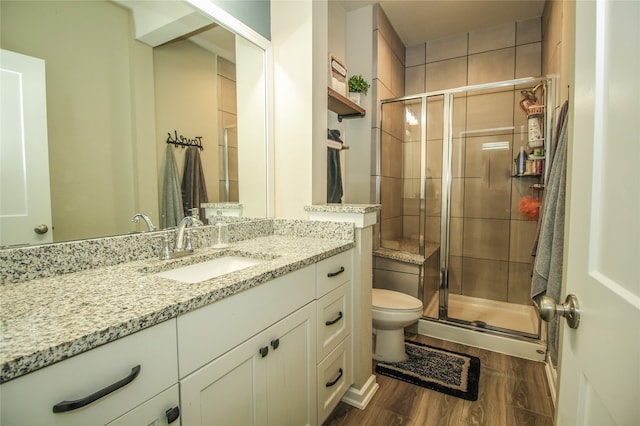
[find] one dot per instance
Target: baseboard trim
(360, 398)
(552, 380)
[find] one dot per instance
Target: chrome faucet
(180, 232)
(136, 217)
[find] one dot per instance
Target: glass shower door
(486, 282)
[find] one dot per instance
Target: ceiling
(417, 21)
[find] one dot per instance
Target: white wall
(252, 154)
(359, 185)
(297, 25)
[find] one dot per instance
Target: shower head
(529, 94)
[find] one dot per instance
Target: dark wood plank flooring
(512, 392)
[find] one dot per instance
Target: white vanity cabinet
(276, 354)
(250, 359)
(279, 354)
(335, 315)
(267, 380)
(139, 368)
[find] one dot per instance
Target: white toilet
(392, 312)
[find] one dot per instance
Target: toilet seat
(389, 300)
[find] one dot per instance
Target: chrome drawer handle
(65, 406)
(338, 272)
(333, 382)
(331, 322)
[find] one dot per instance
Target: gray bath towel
(334, 173)
(547, 269)
(172, 212)
(194, 190)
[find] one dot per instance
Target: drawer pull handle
(172, 414)
(338, 272)
(65, 406)
(329, 384)
(264, 351)
(275, 343)
(331, 322)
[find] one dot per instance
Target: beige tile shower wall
(388, 83)
(227, 115)
(490, 241)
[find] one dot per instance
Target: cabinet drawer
(29, 400)
(208, 332)
(334, 378)
(332, 272)
(334, 319)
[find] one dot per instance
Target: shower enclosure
(452, 195)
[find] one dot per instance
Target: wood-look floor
(512, 392)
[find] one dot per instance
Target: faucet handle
(165, 251)
(187, 244)
(195, 212)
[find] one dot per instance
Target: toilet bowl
(391, 312)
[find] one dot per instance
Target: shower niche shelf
(343, 106)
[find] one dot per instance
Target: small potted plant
(357, 85)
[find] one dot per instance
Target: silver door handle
(41, 229)
(570, 310)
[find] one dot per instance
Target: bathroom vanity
(119, 345)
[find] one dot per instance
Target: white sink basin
(210, 269)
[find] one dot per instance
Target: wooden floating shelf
(343, 106)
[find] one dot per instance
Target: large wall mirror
(123, 78)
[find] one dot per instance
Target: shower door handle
(570, 309)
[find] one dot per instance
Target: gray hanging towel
(194, 190)
(547, 269)
(334, 175)
(172, 212)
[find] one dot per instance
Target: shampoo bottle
(521, 161)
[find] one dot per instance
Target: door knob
(570, 309)
(41, 229)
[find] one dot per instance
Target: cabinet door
(161, 410)
(291, 382)
(228, 391)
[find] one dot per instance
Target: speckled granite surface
(222, 206)
(54, 317)
(407, 257)
(343, 208)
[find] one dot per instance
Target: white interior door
(25, 200)
(600, 360)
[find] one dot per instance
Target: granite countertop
(47, 320)
(405, 252)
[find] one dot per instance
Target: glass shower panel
(489, 243)
(432, 204)
(400, 175)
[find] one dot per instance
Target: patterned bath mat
(448, 372)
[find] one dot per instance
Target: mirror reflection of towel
(172, 208)
(194, 190)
